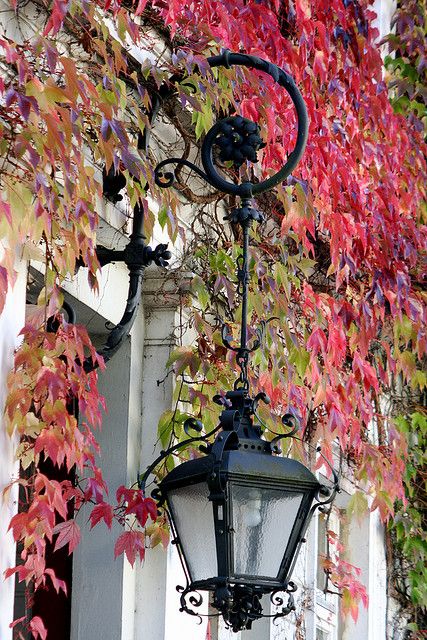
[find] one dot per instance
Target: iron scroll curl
(245, 189)
(283, 79)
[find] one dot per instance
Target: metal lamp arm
(142, 478)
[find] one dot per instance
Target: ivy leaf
(5, 210)
(183, 358)
(103, 511)
(58, 585)
(140, 7)
(37, 628)
(199, 288)
(59, 11)
(165, 427)
(68, 533)
(3, 287)
(132, 543)
(106, 129)
(357, 505)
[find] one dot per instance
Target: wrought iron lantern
(239, 513)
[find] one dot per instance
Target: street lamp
(239, 514)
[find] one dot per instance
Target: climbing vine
(406, 537)
(337, 265)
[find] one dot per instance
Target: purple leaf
(105, 129)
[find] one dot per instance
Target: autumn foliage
(338, 265)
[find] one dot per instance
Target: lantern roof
(245, 465)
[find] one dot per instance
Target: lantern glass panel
(193, 517)
(263, 520)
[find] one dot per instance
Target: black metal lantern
(239, 513)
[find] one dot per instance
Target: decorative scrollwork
(288, 420)
(167, 179)
(227, 337)
(240, 605)
(191, 424)
(278, 601)
(238, 138)
(247, 189)
(190, 597)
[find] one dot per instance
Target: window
(326, 604)
(322, 634)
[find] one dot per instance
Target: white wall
(384, 10)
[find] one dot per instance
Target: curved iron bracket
(278, 601)
(238, 138)
(167, 179)
(288, 420)
(189, 424)
(136, 255)
(195, 599)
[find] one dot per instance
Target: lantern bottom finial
(240, 605)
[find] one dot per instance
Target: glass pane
(193, 517)
(263, 520)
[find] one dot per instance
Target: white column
(151, 578)
(384, 10)
(11, 322)
(377, 592)
(358, 548)
(366, 550)
(157, 613)
(98, 605)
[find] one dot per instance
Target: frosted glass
(263, 520)
(193, 517)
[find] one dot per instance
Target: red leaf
(3, 287)
(59, 11)
(151, 508)
(37, 628)
(5, 211)
(140, 8)
(137, 504)
(17, 621)
(57, 583)
(103, 511)
(69, 533)
(51, 441)
(130, 543)
(11, 572)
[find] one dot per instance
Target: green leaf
(163, 216)
(418, 380)
(199, 288)
(165, 427)
(357, 506)
(300, 358)
(184, 358)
